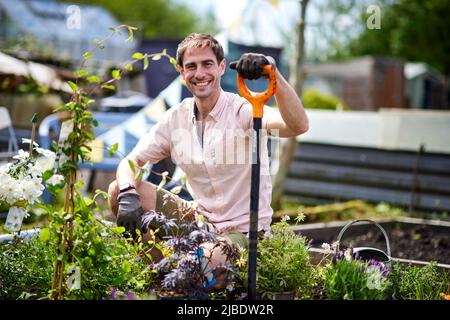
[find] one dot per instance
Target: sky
(269, 21)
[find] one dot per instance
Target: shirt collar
(215, 112)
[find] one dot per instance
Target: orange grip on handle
(258, 99)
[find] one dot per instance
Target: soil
(407, 241)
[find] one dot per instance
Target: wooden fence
(417, 181)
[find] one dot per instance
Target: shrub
(419, 283)
(26, 269)
(314, 99)
(111, 261)
(184, 269)
(283, 263)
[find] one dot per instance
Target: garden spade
(257, 100)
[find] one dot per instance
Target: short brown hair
(199, 40)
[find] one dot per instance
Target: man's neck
(205, 105)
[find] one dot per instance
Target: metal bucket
(368, 253)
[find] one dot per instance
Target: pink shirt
(218, 169)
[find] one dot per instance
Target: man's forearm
(290, 106)
(125, 173)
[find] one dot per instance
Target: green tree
(415, 30)
(157, 17)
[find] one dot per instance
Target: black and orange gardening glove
(250, 65)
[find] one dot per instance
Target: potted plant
(284, 270)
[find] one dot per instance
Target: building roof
(41, 73)
(359, 67)
(415, 69)
(56, 25)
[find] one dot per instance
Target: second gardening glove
(130, 212)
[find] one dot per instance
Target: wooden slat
(365, 157)
(340, 192)
(375, 177)
(322, 173)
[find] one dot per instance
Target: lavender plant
(349, 278)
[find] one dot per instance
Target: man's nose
(200, 72)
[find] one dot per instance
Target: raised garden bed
(411, 240)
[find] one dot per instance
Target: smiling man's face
(202, 72)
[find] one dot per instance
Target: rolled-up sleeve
(155, 145)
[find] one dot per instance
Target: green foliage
(415, 30)
(73, 232)
(28, 86)
(106, 261)
(100, 258)
(314, 99)
(419, 283)
(352, 279)
(25, 269)
(157, 18)
(283, 263)
(348, 210)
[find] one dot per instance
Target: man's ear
(181, 70)
(223, 66)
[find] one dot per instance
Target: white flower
(375, 279)
(21, 180)
(334, 245)
(35, 170)
(348, 255)
(326, 246)
(22, 155)
(47, 161)
(32, 189)
(4, 169)
(55, 179)
(45, 152)
(12, 192)
(28, 141)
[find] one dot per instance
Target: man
(200, 135)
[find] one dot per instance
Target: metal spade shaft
(257, 101)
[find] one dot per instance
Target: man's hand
(130, 212)
(250, 65)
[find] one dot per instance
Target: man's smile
(201, 83)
